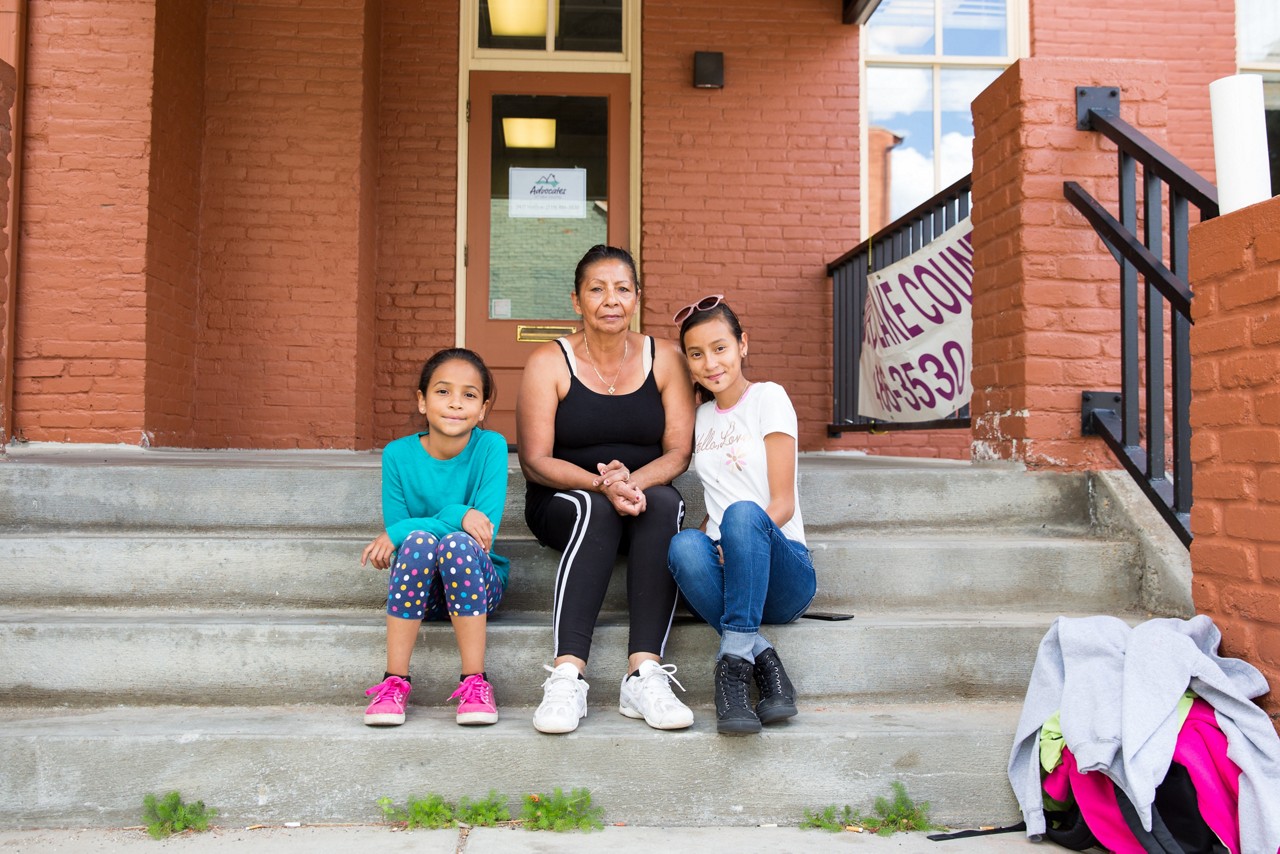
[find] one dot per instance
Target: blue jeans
(765, 578)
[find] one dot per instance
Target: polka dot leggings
(438, 578)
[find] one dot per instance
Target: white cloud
(912, 172)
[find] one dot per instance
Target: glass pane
(902, 27)
(900, 102)
(1271, 96)
(513, 24)
(957, 89)
(1258, 30)
(590, 25)
(548, 205)
(974, 28)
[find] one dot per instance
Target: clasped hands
(615, 484)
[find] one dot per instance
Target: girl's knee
(742, 513)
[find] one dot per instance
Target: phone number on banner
(925, 383)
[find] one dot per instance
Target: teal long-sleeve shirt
(421, 493)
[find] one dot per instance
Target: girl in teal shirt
(443, 490)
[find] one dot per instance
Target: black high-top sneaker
(733, 701)
(777, 694)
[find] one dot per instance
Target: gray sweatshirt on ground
(1117, 690)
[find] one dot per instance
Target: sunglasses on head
(705, 304)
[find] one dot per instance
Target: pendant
(610, 389)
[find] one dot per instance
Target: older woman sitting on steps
(605, 420)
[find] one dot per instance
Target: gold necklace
(626, 343)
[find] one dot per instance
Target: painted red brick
(1236, 515)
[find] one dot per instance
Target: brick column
(8, 88)
(1046, 315)
(1235, 422)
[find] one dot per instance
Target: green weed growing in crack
(487, 812)
(560, 812)
(169, 815)
(431, 812)
(895, 815)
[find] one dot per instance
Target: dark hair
(463, 355)
(601, 252)
(721, 310)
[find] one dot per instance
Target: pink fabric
(1056, 785)
(1202, 750)
(1096, 795)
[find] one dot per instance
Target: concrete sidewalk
(615, 840)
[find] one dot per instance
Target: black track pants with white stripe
(590, 534)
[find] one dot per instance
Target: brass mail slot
(538, 334)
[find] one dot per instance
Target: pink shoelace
(393, 689)
(473, 689)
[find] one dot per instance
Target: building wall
(8, 91)
(1235, 433)
(280, 253)
(173, 222)
(417, 203)
(81, 323)
(1046, 298)
(751, 189)
(1194, 38)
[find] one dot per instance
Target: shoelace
(772, 678)
(559, 687)
(736, 695)
(388, 689)
(471, 689)
(652, 685)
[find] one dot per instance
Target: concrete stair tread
(352, 618)
(315, 763)
(306, 721)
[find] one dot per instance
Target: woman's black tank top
(595, 428)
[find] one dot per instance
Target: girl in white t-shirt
(748, 563)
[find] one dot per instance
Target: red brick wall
(1045, 308)
(1235, 424)
(281, 253)
(8, 85)
(1194, 38)
(173, 222)
(81, 311)
(753, 188)
(417, 203)
(366, 305)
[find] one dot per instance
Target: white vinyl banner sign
(917, 332)
(548, 193)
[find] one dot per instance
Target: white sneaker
(564, 700)
(648, 695)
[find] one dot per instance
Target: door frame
(470, 59)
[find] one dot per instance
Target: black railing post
(1128, 305)
(1113, 416)
(1152, 219)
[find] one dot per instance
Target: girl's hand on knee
(479, 527)
(378, 552)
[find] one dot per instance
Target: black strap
(983, 831)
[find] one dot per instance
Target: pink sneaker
(389, 698)
(475, 703)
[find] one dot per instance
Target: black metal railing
(1117, 416)
(849, 275)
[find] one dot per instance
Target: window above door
(527, 34)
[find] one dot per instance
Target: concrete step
(100, 656)
(339, 493)
(896, 570)
(320, 764)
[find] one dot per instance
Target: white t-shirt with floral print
(729, 455)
